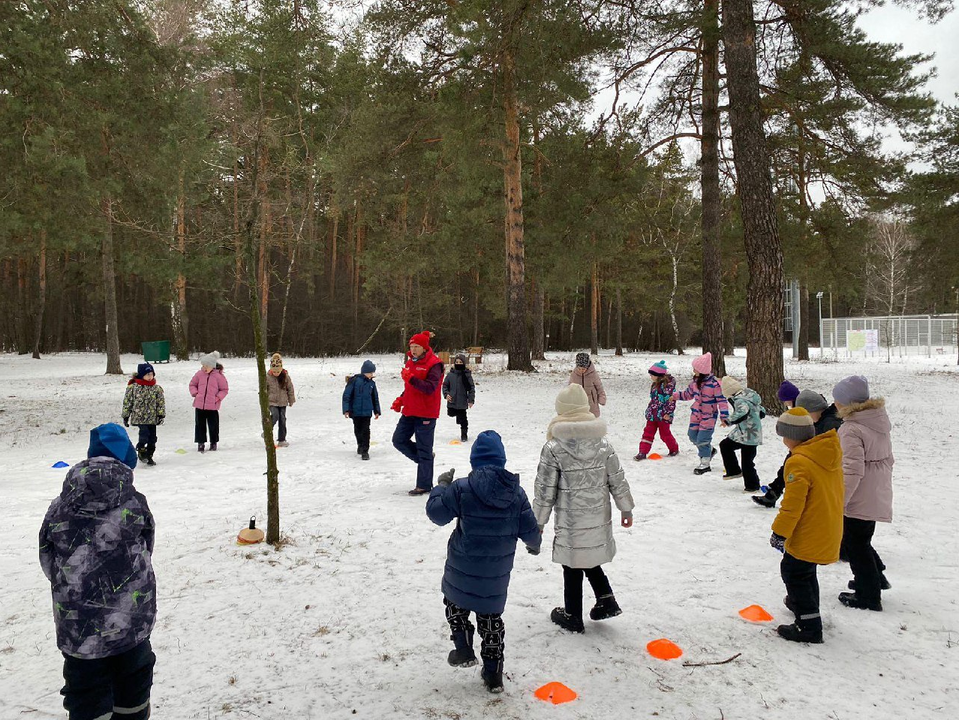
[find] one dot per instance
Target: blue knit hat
(143, 369)
(367, 367)
(488, 450)
(111, 440)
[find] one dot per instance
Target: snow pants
(803, 589)
(651, 429)
(748, 453)
(573, 587)
(110, 687)
(206, 419)
(865, 563)
(491, 633)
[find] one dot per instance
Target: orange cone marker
(654, 456)
(556, 693)
(755, 613)
(663, 649)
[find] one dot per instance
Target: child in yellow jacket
(809, 527)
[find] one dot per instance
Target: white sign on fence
(863, 340)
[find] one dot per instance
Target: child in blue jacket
(360, 402)
(492, 512)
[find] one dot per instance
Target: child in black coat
(460, 392)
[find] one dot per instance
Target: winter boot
(605, 608)
(640, 456)
(200, 447)
(703, 467)
(492, 675)
(365, 456)
(283, 443)
(142, 454)
(673, 454)
(213, 447)
(795, 633)
(150, 450)
(462, 654)
(767, 500)
(463, 435)
(884, 583)
(359, 451)
(733, 476)
(567, 622)
(852, 600)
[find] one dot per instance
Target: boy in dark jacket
(459, 391)
(95, 547)
(360, 402)
(492, 512)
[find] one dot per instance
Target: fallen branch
(704, 664)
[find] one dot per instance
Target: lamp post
(820, 318)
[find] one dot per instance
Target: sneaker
(884, 583)
(365, 456)
(200, 447)
(734, 476)
(213, 447)
(639, 456)
(767, 500)
(605, 608)
(567, 622)
(462, 657)
(794, 633)
(852, 600)
(703, 467)
(283, 443)
(492, 680)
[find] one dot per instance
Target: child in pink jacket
(708, 403)
(208, 387)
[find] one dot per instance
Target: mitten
(533, 550)
(777, 541)
(406, 373)
(445, 478)
(397, 405)
(126, 422)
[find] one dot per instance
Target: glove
(126, 422)
(406, 373)
(445, 478)
(397, 404)
(160, 419)
(533, 550)
(777, 541)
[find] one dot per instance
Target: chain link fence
(896, 336)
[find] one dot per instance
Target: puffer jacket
(95, 546)
(708, 403)
(590, 381)
(662, 405)
(280, 396)
(360, 397)
(144, 404)
(578, 473)
(829, 420)
(867, 461)
(745, 417)
(811, 514)
(492, 512)
(459, 385)
(209, 389)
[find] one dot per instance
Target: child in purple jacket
(659, 414)
(708, 403)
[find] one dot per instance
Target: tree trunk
(110, 290)
(619, 350)
(42, 297)
(760, 233)
(518, 344)
(476, 303)
(181, 344)
(332, 280)
(710, 190)
(729, 336)
(594, 309)
(538, 324)
(672, 304)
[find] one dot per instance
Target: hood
(583, 430)
(751, 396)
(494, 486)
(871, 414)
(97, 484)
(823, 450)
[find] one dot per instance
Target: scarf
(145, 383)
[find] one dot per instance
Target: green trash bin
(156, 351)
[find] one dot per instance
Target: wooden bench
(475, 355)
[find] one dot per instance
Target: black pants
(279, 415)
(460, 415)
(778, 485)
(361, 429)
(491, 633)
(865, 563)
(148, 437)
(800, 579)
(573, 587)
(119, 685)
(203, 420)
(748, 453)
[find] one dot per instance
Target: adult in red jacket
(419, 406)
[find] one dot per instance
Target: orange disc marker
(663, 649)
(654, 456)
(755, 613)
(455, 442)
(556, 693)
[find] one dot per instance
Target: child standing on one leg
(459, 391)
(578, 473)
(659, 414)
(144, 406)
(208, 387)
(281, 396)
(708, 404)
(361, 401)
(747, 433)
(96, 543)
(809, 526)
(492, 513)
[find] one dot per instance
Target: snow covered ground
(346, 619)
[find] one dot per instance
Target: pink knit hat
(703, 364)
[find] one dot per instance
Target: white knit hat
(210, 359)
(730, 386)
(572, 399)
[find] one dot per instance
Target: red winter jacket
(422, 391)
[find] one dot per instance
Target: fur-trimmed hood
(870, 404)
(583, 430)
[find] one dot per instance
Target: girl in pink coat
(708, 404)
(209, 387)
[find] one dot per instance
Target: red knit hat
(422, 339)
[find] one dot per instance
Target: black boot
(462, 654)
(884, 583)
(463, 434)
(150, 450)
(795, 633)
(852, 600)
(492, 675)
(605, 608)
(142, 453)
(767, 500)
(567, 622)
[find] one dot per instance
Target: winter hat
(461, 357)
(583, 360)
(210, 359)
(811, 401)
(658, 368)
(850, 390)
(730, 386)
(367, 367)
(143, 369)
(787, 392)
(488, 450)
(111, 440)
(276, 362)
(572, 399)
(703, 364)
(422, 339)
(796, 424)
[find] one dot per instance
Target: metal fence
(896, 336)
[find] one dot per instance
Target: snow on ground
(346, 619)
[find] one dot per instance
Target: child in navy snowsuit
(492, 512)
(95, 547)
(360, 402)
